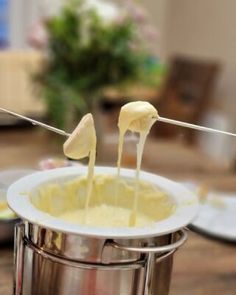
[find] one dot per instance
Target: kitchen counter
(202, 266)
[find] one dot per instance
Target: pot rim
(186, 204)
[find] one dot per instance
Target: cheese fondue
(66, 200)
(104, 216)
(90, 199)
(138, 116)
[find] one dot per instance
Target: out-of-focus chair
(186, 95)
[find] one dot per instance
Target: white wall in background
(22, 14)
(158, 10)
(206, 28)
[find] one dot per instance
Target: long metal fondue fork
(34, 122)
(159, 118)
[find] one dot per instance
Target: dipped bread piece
(137, 116)
(82, 140)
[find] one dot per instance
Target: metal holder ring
(156, 249)
(78, 264)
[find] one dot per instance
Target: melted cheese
(81, 144)
(66, 201)
(138, 116)
(103, 215)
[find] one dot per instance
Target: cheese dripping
(138, 116)
(81, 144)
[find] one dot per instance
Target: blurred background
(62, 59)
(57, 63)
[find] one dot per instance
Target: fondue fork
(159, 118)
(34, 122)
(193, 126)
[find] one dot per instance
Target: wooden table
(201, 267)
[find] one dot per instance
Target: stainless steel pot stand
(48, 262)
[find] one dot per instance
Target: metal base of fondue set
(48, 262)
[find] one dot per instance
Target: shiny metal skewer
(34, 122)
(193, 126)
(162, 119)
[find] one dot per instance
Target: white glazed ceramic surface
(218, 222)
(186, 204)
(7, 177)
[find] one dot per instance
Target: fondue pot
(56, 257)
